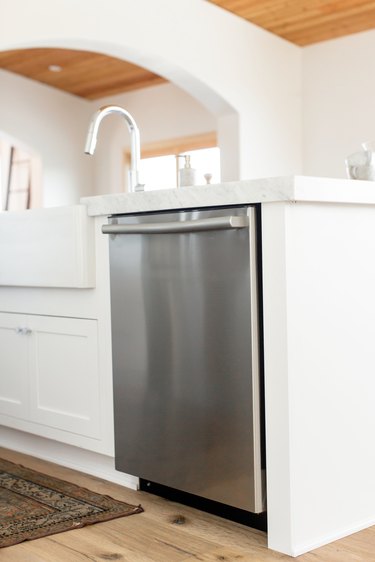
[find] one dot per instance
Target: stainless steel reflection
(185, 354)
(135, 145)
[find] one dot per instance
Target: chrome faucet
(135, 145)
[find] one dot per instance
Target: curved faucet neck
(135, 145)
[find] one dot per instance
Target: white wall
(222, 60)
(161, 112)
(52, 124)
(338, 102)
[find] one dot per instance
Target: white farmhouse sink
(51, 247)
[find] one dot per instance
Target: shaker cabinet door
(49, 377)
(64, 378)
(14, 365)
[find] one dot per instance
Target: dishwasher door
(185, 352)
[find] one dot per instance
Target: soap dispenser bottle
(187, 174)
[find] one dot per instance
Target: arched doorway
(178, 115)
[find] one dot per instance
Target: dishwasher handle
(200, 225)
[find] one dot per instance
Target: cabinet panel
(49, 377)
(64, 374)
(14, 371)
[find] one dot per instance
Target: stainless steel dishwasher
(186, 352)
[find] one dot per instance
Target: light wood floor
(165, 532)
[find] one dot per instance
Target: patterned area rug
(34, 505)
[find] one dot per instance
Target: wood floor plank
(18, 552)
(223, 554)
(165, 532)
(152, 538)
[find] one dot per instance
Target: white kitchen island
(318, 269)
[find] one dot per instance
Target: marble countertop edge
(262, 190)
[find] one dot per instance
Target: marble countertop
(263, 190)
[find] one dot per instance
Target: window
(162, 172)
(19, 177)
(158, 172)
(161, 162)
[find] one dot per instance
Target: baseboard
(69, 456)
(303, 549)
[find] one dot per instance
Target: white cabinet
(14, 367)
(49, 376)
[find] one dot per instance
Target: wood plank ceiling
(93, 76)
(85, 74)
(304, 22)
